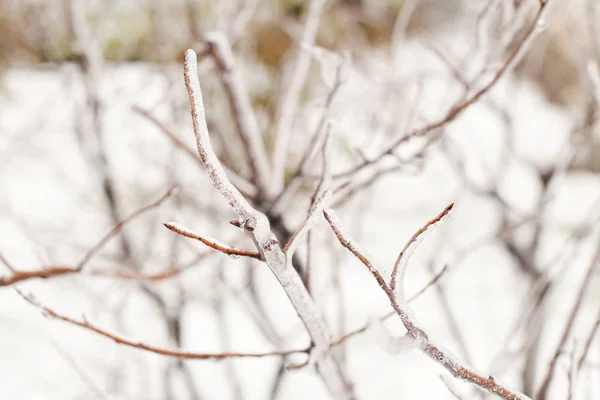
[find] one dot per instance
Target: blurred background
(95, 126)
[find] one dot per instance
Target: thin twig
(523, 45)
(247, 188)
(432, 282)
(542, 393)
(210, 242)
(311, 219)
(588, 345)
(152, 349)
(7, 264)
(289, 102)
(119, 226)
(244, 117)
(412, 298)
(401, 263)
(421, 339)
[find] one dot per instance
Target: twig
(542, 393)
(588, 344)
(401, 263)
(311, 219)
(119, 226)
(323, 128)
(289, 102)
(421, 339)
(243, 114)
(432, 282)
(257, 225)
(457, 110)
(247, 188)
(212, 243)
(412, 298)
(7, 264)
(152, 349)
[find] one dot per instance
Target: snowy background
(521, 166)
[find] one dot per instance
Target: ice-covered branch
(244, 117)
(399, 270)
(54, 271)
(289, 102)
(514, 56)
(257, 225)
(311, 219)
(244, 186)
(119, 227)
(420, 338)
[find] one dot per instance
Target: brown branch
(212, 243)
(458, 109)
(421, 339)
(120, 225)
(7, 263)
(542, 393)
(247, 188)
(244, 117)
(152, 349)
(588, 345)
(289, 102)
(402, 260)
(412, 298)
(41, 273)
(311, 219)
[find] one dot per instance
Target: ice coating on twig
(401, 264)
(215, 171)
(311, 219)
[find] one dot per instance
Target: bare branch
(542, 393)
(421, 339)
(152, 349)
(432, 282)
(399, 271)
(7, 263)
(119, 226)
(588, 344)
(521, 48)
(247, 188)
(257, 225)
(241, 108)
(289, 103)
(311, 219)
(212, 243)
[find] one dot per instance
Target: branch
(244, 117)
(120, 225)
(212, 243)
(310, 221)
(545, 386)
(289, 102)
(421, 339)
(257, 225)
(152, 349)
(412, 298)
(401, 263)
(54, 271)
(7, 263)
(241, 183)
(523, 45)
